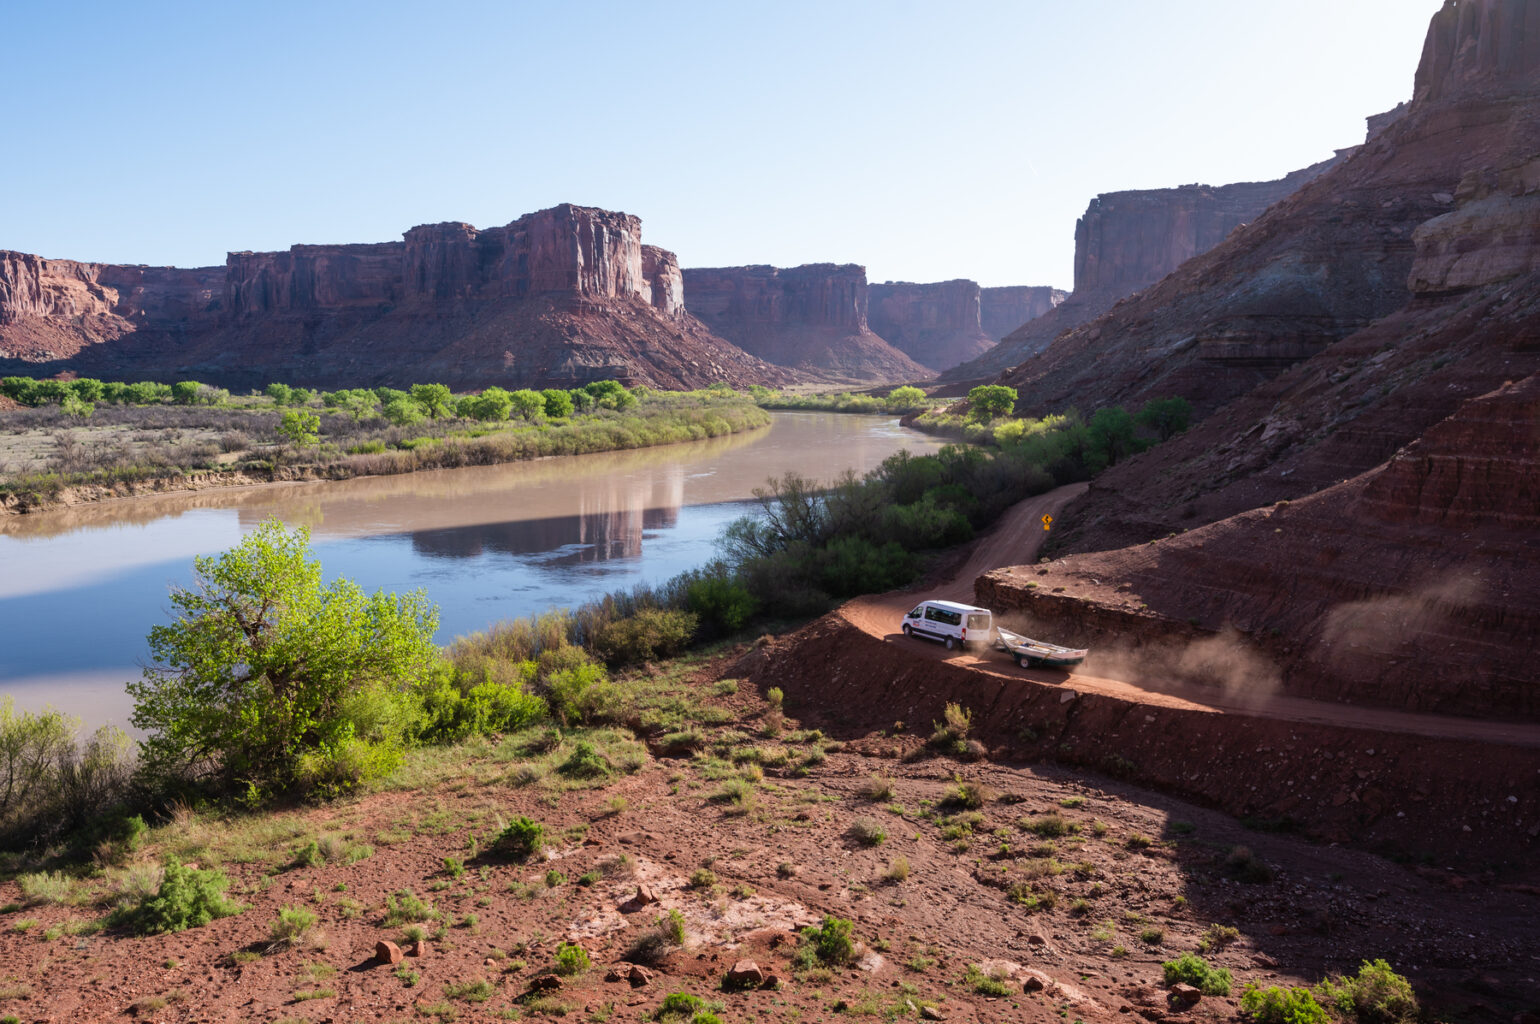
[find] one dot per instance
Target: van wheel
(907, 630)
(950, 643)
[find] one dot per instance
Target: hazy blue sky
(925, 140)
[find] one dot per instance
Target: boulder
(387, 952)
(745, 974)
(1184, 995)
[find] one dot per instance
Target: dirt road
(1016, 539)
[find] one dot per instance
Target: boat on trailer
(1030, 653)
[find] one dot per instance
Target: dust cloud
(1226, 661)
(1394, 624)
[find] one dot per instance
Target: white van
(951, 623)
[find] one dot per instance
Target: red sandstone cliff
(1126, 241)
(1359, 498)
(812, 317)
(936, 325)
(1003, 310)
(560, 296)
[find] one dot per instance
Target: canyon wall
(812, 317)
(936, 325)
(1127, 240)
(1480, 46)
(559, 296)
(1003, 310)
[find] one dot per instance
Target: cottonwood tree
(270, 681)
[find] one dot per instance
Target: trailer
(1030, 653)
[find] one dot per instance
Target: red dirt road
(1016, 540)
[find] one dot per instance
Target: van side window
(932, 614)
(953, 618)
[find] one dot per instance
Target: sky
(925, 140)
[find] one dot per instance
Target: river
(81, 587)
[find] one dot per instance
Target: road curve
(1016, 539)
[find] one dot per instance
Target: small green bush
(830, 942)
(571, 959)
(650, 634)
(585, 762)
(1191, 969)
(521, 839)
(868, 832)
(1274, 1005)
(679, 1004)
(187, 898)
(292, 925)
(1375, 995)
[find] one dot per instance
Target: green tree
(87, 389)
(987, 401)
(904, 399)
(115, 392)
(359, 403)
(300, 427)
(582, 401)
(528, 405)
(17, 388)
(1112, 433)
(435, 400)
(558, 404)
(403, 412)
(609, 394)
(495, 405)
(74, 406)
(185, 392)
(1167, 417)
(269, 681)
(281, 394)
(148, 392)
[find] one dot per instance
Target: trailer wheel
(950, 643)
(1023, 661)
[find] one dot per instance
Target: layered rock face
(564, 295)
(936, 325)
(1365, 515)
(1126, 241)
(1475, 46)
(1411, 586)
(1003, 310)
(812, 317)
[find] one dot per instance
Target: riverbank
(165, 449)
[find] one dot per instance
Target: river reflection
(80, 588)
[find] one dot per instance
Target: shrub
(649, 634)
(969, 795)
(775, 696)
(985, 984)
(1246, 866)
(722, 601)
(575, 691)
(679, 1004)
(897, 871)
(1375, 995)
(405, 907)
(187, 898)
(271, 681)
(478, 990)
(1217, 937)
(868, 832)
(1049, 826)
(1274, 1005)
(521, 839)
(703, 878)
(292, 925)
(830, 942)
(951, 733)
(879, 790)
(1194, 970)
(571, 959)
(585, 762)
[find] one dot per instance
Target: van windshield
(977, 621)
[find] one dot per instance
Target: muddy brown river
(80, 588)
